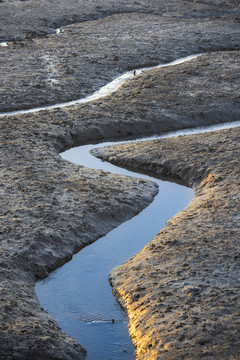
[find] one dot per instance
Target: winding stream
(78, 294)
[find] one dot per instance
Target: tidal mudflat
(50, 208)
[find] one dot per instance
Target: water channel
(78, 295)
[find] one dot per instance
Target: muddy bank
(181, 291)
(49, 210)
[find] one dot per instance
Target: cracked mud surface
(181, 292)
(51, 208)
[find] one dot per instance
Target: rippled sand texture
(51, 208)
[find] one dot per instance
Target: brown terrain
(51, 208)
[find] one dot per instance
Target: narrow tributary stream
(78, 295)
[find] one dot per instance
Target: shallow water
(78, 295)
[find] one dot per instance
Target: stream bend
(85, 305)
(78, 295)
